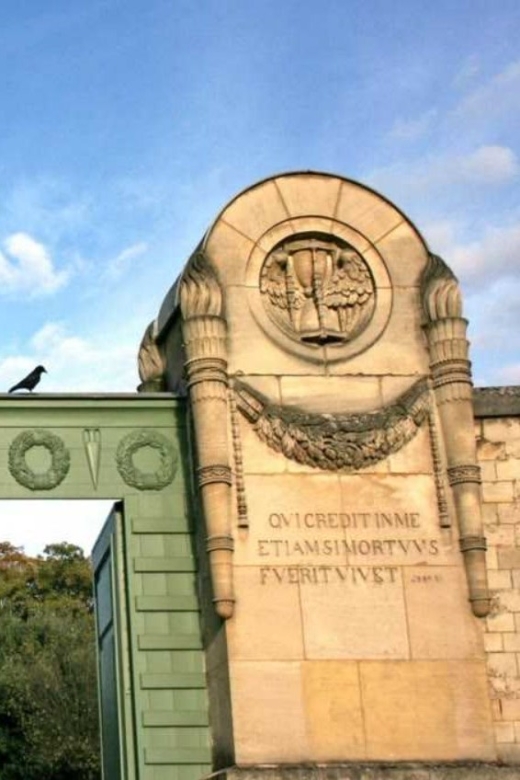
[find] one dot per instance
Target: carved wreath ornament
(24, 475)
(142, 480)
(335, 442)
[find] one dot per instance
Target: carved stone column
(204, 334)
(451, 374)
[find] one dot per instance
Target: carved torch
(204, 333)
(451, 375)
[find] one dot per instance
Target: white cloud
(104, 362)
(27, 268)
(494, 255)
(467, 72)
(411, 129)
(441, 235)
(53, 339)
(48, 207)
(499, 95)
(485, 166)
(488, 267)
(119, 265)
(510, 374)
(488, 164)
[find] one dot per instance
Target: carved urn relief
(318, 289)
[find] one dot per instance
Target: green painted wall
(164, 704)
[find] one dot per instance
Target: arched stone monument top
(311, 201)
(322, 266)
(324, 355)
(308, 193)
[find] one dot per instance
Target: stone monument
(322, 349)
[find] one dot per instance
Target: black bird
(30, 381)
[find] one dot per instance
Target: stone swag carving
(452, 384)
(335, 442)
(317, 289)
(204, 333)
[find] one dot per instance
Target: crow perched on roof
(30, 381)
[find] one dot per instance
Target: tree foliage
(48, 683)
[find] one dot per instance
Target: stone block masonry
(498, 448)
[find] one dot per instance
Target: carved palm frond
(335, 442)
(440, 291)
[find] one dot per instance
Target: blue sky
(128, 124)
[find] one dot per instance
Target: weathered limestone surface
(324, 353)
(498, 438)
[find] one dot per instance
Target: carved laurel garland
(335, 442)
(24, 475)
(142, 480)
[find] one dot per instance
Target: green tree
(48, 684)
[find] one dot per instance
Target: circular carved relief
(317, 289)
(142, 480)
(24, 475)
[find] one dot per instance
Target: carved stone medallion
(135, 477)
(317, 289)
(24, 474)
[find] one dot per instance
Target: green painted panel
(177, 662)
(174, 700)
(155, 623)
(185, 680)
(169, 718)
(167, 603)
(176, 771)
(178, 756)
(170, 642)
(164, 564)
(160, 525)
(116, 733)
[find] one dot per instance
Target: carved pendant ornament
(92, 444)
(24, 474)
(142, 480)
(335, 442)
(317, 289)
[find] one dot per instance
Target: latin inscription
(293, 558)
(285, 548)
(352, 520)
(321, 575)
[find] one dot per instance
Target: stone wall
(323, 350)
(498, 440)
